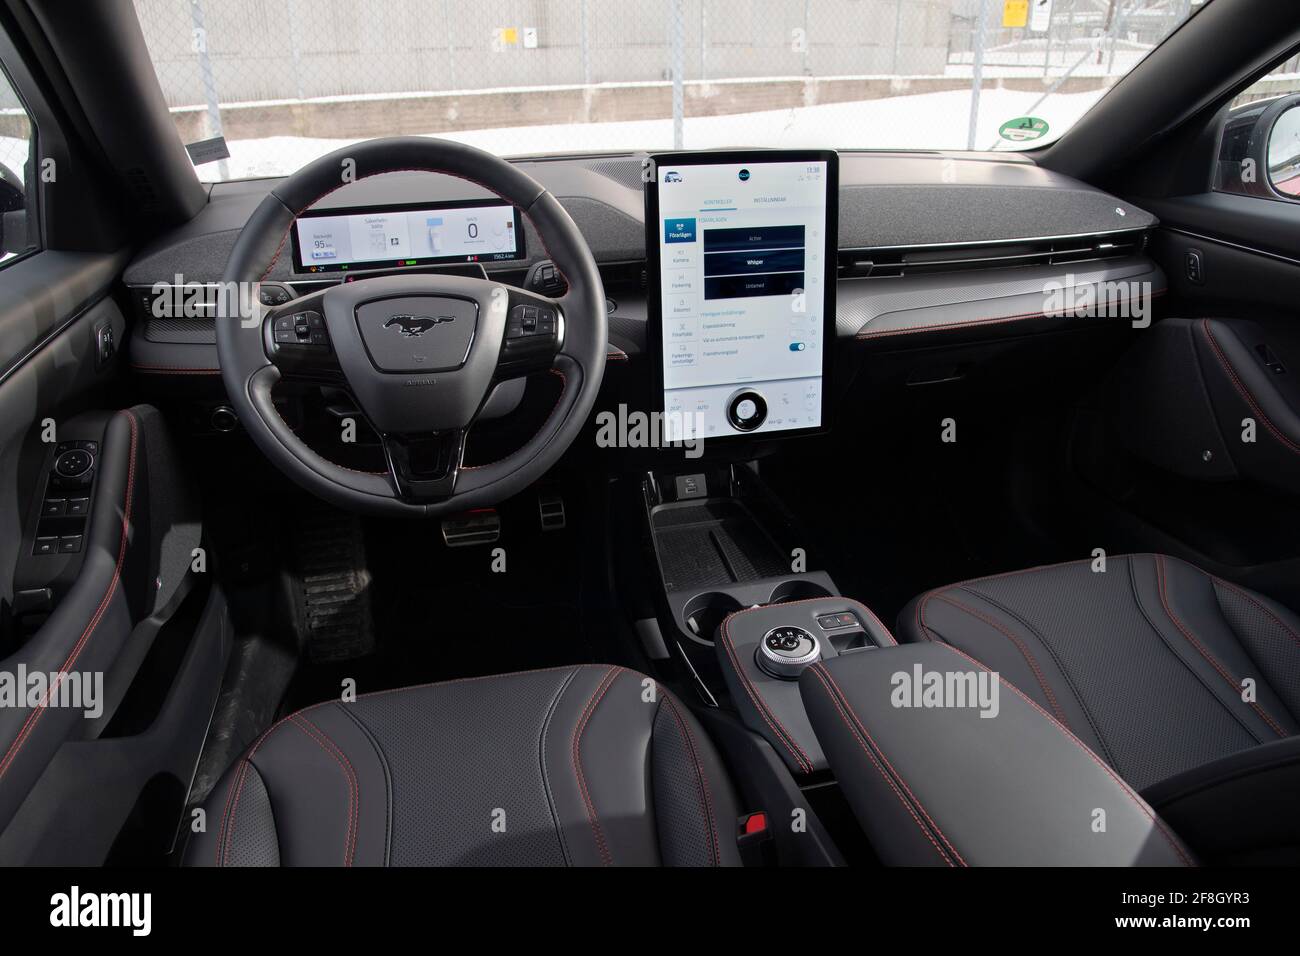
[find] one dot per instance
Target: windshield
(286, 82)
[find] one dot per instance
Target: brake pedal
(551, 510)
(473, 527)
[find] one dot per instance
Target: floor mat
(443, 613)
(333, 591)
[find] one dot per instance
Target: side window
(17, 169)
(1259, 152)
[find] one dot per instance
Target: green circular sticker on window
(1023, 129)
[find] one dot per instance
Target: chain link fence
(531, 76)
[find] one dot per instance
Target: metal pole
(807, 37)
(1047, 47)
(898, 25)
(1110, 22)
(586, 49)
(207, 77)
(977, 75)
(294, 50)
(1114, 38)
(676, 55)
(1060, 81)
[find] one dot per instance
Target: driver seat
(589, 765)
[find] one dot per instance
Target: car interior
(746, 506)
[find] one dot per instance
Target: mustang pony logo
(416, 325)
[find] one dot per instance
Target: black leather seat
(583, 765)
(1149, 662)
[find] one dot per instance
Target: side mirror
(13, 213)
(1284, 153)
(1259, 152)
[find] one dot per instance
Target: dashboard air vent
(920, 260)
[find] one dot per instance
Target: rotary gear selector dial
(785, 651)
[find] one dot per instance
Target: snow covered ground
(924, 121)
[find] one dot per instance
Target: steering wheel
(422, 353)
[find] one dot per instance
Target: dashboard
(929, 249)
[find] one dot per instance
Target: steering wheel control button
(746, 410)
(424, 333)
(74, 463)
(527, 321)
(300, 328)
(532, 337)
(785, 651)
(273, 295)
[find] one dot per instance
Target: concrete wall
(438, 112)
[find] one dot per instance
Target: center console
(742, 260)
(762, 651)
(745, 605)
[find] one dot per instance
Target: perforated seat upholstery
(584, 765)
(1158, 666)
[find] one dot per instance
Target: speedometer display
(396, 236)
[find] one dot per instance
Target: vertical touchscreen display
(742, 250)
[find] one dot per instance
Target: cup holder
(788, 591)
(704, 612)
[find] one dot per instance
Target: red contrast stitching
(597, 696)
(1223, 672)
(879, 750)
(355, 471)
(564, 384)
(252, 751)
(706, 804)
(354, 789)
(1029, 658)
(1244, 594)
(1138, 801)
(820, 672)
(232, 801)
(1243, 391)
(930, 595)
(783, 735)
(34, 716)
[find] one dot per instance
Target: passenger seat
(1186, 684)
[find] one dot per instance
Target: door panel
(50, 306)
(95, 574)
